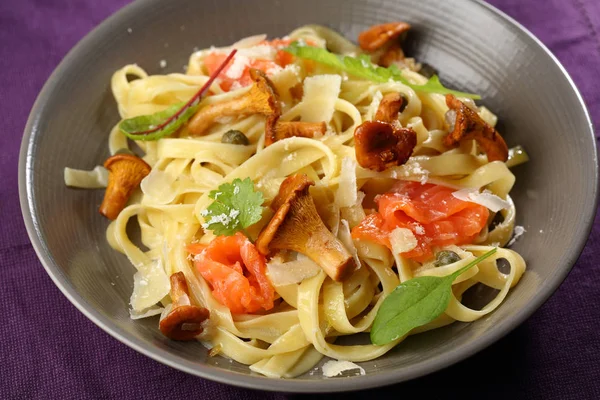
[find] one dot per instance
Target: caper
(234, 136)
(446, 257)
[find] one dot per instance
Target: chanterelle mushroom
(377, 36)
(297, 226)
(380, 145)
(466, 124)
(184, 320)
(277, 130)
(391, 104)
(262, 98)
(126, 173)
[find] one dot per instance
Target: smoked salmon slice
(237, 73)
(238, 69)
(435, 217)
(236, 272)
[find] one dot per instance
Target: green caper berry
(446, 257)
(235, 137)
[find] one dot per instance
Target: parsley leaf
(236, 206)
(362, 67)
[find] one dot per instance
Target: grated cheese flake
(485, 198)
(334, 368)
(321, 93)
(347, 192)
(518, 232)
(287, 273)
(237, 68)
(402, 240)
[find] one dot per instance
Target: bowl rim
(255, 381)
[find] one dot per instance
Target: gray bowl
(475, 47)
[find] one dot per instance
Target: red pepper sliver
(195, 98)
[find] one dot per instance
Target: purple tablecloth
(50, 350)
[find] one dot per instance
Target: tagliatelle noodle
(290, 339)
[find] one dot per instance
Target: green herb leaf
(236, 206)
(415, 303)
(362, 67)
(166, 122)
(135, 127)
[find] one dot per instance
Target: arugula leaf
(415, 303)
(166, 122)
(362, 67)
(236, 206)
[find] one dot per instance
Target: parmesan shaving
(485, 198)
(236, 69)
(263, 52)
(402, 240)
(320, 95)
(150, 312)
(249, 41)
(287, 273)
(150, 285)
(489, 117)
(334, 368)
(159, 185)
(377, 97)
(347, 191)
(519, 231)
(345, 237)
(94, 179)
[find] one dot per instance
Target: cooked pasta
(286, 334)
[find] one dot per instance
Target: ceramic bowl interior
(474, 47)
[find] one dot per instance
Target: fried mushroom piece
(392, 55)
(277, 130)
(184, 321)
(390, 106)
(126, 171)
(466, 124)
(262, 98)
(377, 36)
(297, 226)
(380, 145)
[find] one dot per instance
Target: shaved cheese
(262, 52)
(489, 117)
(485, 198)
(94, 179)
(377, 97)
(287, 273)
(402, 240)
(345, 237)
(150, 312)
(238, 66)
(320, 94)
(249, 41)
(519, 231)
(347, 191)
(159, 185)
(166, 311)
(150, 285)
(334, 368)
(355, 213)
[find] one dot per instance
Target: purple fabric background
(554, 355)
